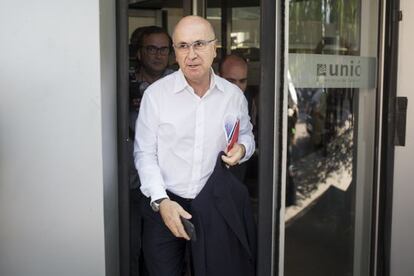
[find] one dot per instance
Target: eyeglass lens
(154, 49)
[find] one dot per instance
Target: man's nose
(158, 53)
(192, 53)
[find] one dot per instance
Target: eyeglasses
(152, 50)
(198, 45)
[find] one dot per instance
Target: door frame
(122, 66)
(385, 123)
(272, 44)
(270, 134)
(382, 243)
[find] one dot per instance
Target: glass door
(331, 113)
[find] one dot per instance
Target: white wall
(57, 138)
(402, 241)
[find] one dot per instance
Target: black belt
(179, 199)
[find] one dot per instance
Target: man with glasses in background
(180, 132)
(153, 51)
(153, 46)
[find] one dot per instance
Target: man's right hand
(170, 212)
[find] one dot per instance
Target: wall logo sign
(342, 70)
(321, 70)
(332, 71)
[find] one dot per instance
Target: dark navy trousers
(225, 229)
(164, 254)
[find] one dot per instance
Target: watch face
(155, 207)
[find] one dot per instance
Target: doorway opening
(237, 27)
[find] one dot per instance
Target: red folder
(234, 136)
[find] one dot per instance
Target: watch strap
(155, 205)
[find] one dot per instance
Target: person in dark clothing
(234, 69)
(153, 47)
(153, 51)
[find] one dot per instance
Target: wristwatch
(155, 205)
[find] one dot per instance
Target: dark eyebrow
(155, 46)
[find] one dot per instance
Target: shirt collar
(181, 83)
(216, 81)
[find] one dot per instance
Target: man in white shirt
(179, 134)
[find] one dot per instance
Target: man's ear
(215, 50)
(138, 54)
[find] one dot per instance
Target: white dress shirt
(179, 135)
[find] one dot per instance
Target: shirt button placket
(198, 147)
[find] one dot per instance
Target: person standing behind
(234, 69)
(179, 134)
(153, 46)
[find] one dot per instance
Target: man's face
(153, 55)
(195, 63)
(236, 74)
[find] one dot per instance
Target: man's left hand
(234, 155)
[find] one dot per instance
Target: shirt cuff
(246, 153)
(158, 194)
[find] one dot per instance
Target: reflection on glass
(322, 141)
(245, 32)
(214, 17)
